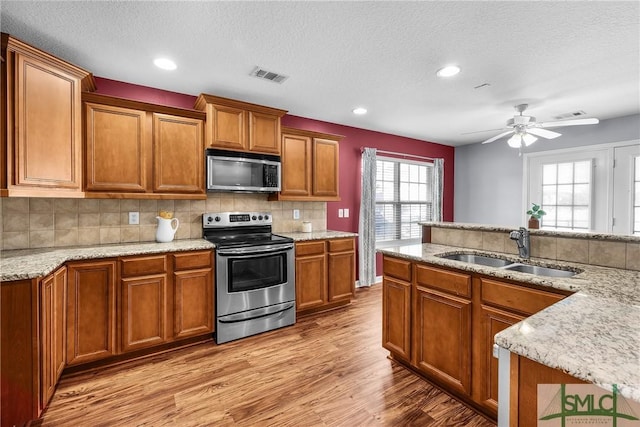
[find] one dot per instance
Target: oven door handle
(254, 250)
(256, 314)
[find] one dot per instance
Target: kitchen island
(592, 335)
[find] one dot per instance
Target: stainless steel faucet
(521, 236)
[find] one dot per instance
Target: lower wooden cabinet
(144, 312)
(325, 274)
(492, 321)
(311, 275)
(442, 338)
(396, 315)
(91, 311)
(53, 333)
(454, 318)
(193, 292)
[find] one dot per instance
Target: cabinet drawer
(142, 266)
(341, 245)
(310, 248)
(514, 297)
(398, 268)
(192, 260)
(444, 280)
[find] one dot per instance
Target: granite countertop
(318, 235)
(535, 232)
(593, 335)
(32, 263)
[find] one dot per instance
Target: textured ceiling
(557, 56)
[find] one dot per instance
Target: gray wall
(488, 178)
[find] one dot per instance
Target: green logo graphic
(565, 406)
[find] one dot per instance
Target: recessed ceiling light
(360, 111)
(448, 71)
(165, 63)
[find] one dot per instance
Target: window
(403, 198)
(566, 195)
(594, 188)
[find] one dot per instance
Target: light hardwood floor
(328, 370)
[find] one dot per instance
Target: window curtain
(437, 189)
(367, 227)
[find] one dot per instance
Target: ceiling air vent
(571, 115)
(261, 73)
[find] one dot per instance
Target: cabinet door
(47, 120)
(442, 338)
(492, 322)
(296, 165)
(396, 317)
(228, 127)
(91, 311)
(264, 133)
(117, 147)
(53, 298)
(325, 167)
(342, 269)
(178, 154)
(47, 322)
(311, 281)
(193, 302)
(144, 311)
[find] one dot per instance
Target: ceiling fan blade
(498, 136)
(482, 131)
(543, 133)
(574, 122)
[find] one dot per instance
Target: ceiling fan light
(515, 141)
(528, 139)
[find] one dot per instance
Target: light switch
(346, 212)
(340, 213)
(296, 214)
(134, 218)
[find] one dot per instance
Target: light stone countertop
(318, 235)
(593, 335)
(32, 263)
(535, 232)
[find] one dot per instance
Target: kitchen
(63, 222)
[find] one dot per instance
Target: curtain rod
(400, 154)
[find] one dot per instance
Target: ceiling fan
(524, 128)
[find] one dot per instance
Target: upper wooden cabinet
(142, 150)
(310, 164)
(240, 126)
(41, 122)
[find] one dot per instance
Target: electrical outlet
(346, 212)
(134, 218)
(296, 214)
(340, 213)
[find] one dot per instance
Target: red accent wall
(350, 150)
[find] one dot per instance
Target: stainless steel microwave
(242, 172)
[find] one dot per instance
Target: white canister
(306, 227)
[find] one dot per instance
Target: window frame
(398, 160)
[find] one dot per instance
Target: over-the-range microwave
(242, 172)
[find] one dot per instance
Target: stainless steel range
(255, 274)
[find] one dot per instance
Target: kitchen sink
(478, 259)
(540, 271)
(506, 264)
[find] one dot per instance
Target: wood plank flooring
(328, 370)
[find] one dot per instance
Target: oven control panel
(235, 219)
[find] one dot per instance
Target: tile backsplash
(617, 254)
(42, 223)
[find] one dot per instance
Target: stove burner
(240, 229)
